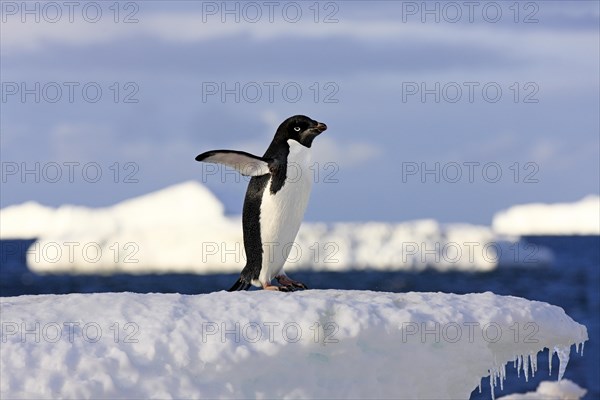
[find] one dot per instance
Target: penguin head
(301, 129)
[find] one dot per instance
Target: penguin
(275, 201)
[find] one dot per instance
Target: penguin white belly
(281, 213)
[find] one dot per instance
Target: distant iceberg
(183, 228)
(579, 218)
(179, 205)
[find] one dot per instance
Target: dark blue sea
(571, 282)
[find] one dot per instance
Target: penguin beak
(320, 127)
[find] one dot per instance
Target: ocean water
(572, 282)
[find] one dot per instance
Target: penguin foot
(289, 284)
(271, 287)
(285, 284)
(281, 288)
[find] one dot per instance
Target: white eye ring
(297, 129)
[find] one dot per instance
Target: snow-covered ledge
(311, 344)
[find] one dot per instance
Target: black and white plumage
(274, 205)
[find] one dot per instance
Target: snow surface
(547, 390)
(263, 344)
(183, 228)
(579, 218)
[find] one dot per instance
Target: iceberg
(183, 228)
(262, 344)
(578, 218)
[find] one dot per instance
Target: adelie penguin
(274, 205)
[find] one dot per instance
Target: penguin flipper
(245, 163)
(240, 284)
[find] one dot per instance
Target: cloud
(558, 154)
(546, 150)
(343, 153)
(187, 28)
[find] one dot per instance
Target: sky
(445, 110)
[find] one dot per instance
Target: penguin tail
(240, 284)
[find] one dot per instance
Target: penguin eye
(297, 129)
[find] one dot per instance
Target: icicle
(582, 344)
(526, 368)
(492, 386)
(533, 363)
(550, 354)
(519, 364)
(502, 373)
(563, 357)
(480, 386)
(497, 377)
